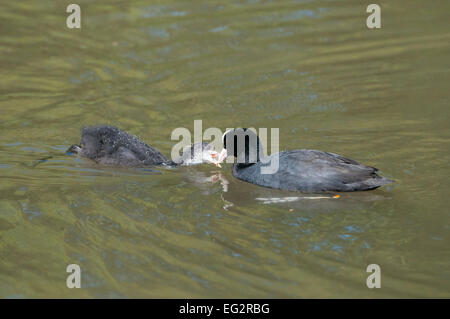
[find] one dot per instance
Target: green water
(310, 68)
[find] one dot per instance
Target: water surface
(310, 68)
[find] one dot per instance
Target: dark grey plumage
(304, 170)
(109, 145)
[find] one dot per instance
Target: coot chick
(198, 153)
(109, 145)
(298, 170)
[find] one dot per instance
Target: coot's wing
(321, 171)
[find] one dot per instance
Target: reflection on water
(311, 68)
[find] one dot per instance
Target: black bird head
(243, 144)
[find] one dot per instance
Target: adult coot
(109, 145)
(298, 170)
